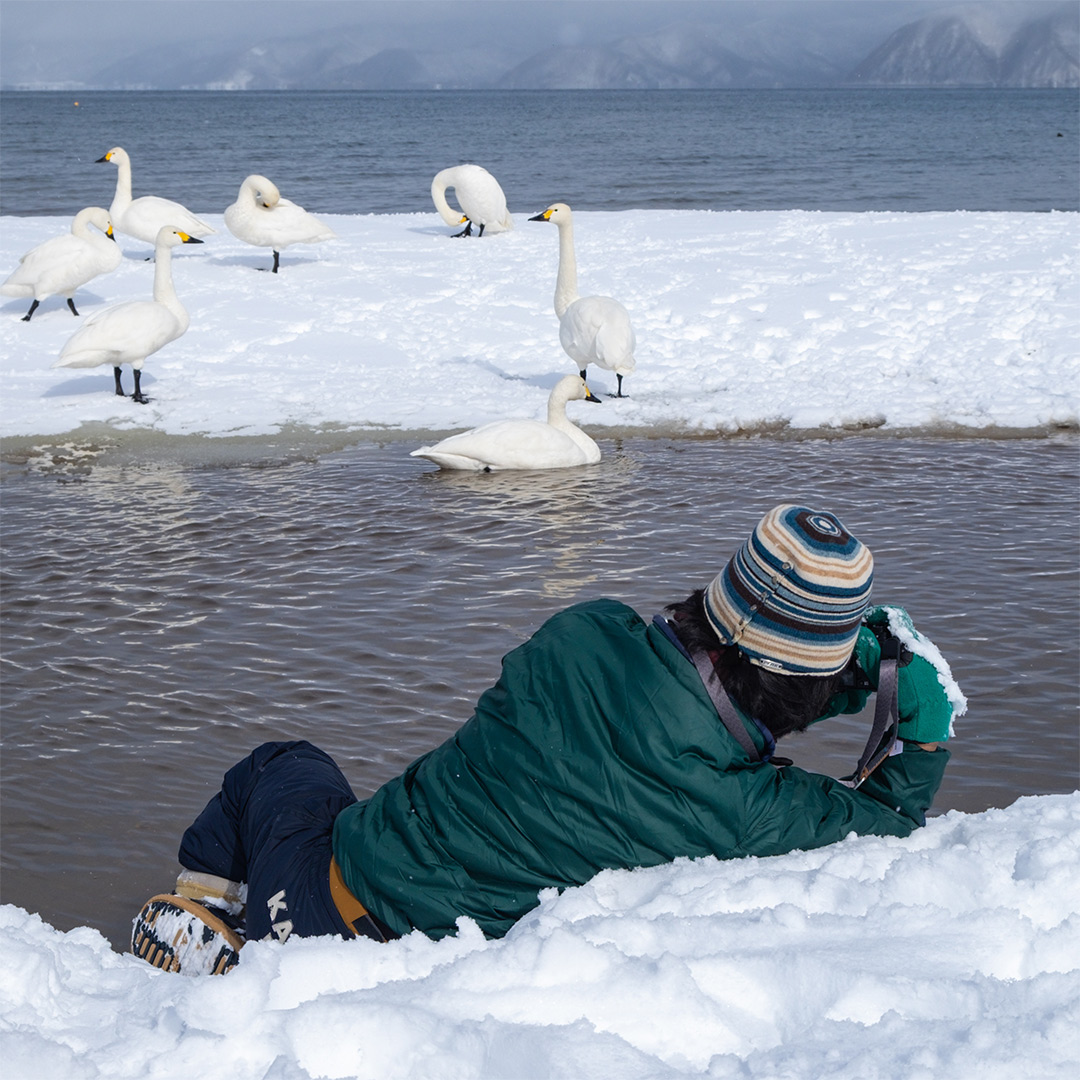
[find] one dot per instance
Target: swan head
(117, 155)
(263, 191)
(100, 218)
(94, 215)
(574, 388)
(558, 212)
(170, 236)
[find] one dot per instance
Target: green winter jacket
(598, 747)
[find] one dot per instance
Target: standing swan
(522, 444)
(143, 217)
(128, 333)
(62, 264)
(482, 200)
(260, 216)
(592, 329)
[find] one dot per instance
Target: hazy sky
(67, 39)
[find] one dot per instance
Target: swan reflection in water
(559, 530)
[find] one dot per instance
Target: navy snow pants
(271, 826)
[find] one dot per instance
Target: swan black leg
(480, 233)
(71, 304)
(467, 231)
(276, 255)
(620, 393)
(119, 388)
(29, 314)
(583, 374)
(138, 395)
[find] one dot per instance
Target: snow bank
(954, 952)
(745, 321)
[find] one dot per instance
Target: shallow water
(162, 617)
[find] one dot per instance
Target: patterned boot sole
(176, 934)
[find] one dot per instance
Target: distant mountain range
(965, 47)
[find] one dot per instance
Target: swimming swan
(482, 200)
(144, 217)
(60, 265)
(522, 444)
(260, 216)
(592, 329)
(128, 333)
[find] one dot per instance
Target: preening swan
(482, 200)
(145, 216)
(522, 444)
(60, 265)
(592, 329)
(128, 333)
(260, 216)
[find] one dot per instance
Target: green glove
(925, 710)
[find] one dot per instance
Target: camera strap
(723, 704)
(882, 736)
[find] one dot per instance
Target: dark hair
(783, 703)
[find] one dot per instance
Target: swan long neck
(438, 197)
(566, 290)
(164, 292)
(556, 414)
(122, 198)
(80, 227)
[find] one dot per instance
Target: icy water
(368, 152)
(163, 614)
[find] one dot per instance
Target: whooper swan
(130, 332)
(482, 200)
(522, 444)
(145, 216)
(592, 329)
(260, 216)
(60, 265)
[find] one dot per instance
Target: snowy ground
(745, 321)
(955, 952)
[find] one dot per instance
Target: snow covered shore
(954, 952)
(745, 322)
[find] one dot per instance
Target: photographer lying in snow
(607, 742)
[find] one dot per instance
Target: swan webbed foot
(620, 393)
(467, 231)
(33, 307)
(71, 304)
(142, 399)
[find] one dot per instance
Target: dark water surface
(161, 618)
(354, 152)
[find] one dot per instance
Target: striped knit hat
(794, 594)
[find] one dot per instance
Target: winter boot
(175, 933)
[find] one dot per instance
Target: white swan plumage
(522, 444)
(260, 216)
(592, 329)
(128, 333)
(61, 264)
(482, 200)
(144, 217)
